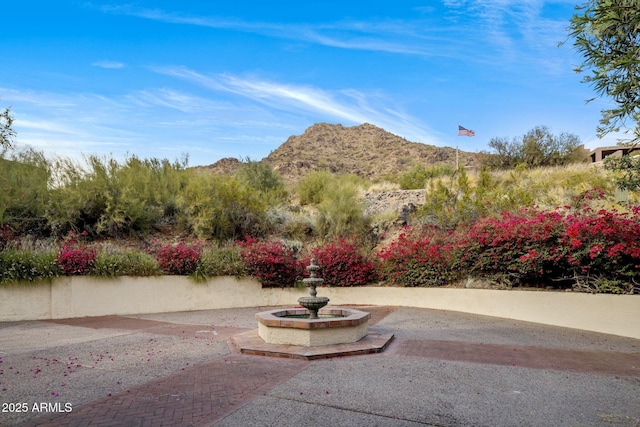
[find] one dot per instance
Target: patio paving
(441, 369)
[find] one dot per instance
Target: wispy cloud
(399, 37)
(513, 26)
(510, 31)
(161, 123)
(348, 105)
(109, 64)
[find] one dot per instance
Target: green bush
(341, 214)
(27, 266)
(261, 177)
(222, 208)
(110, 198)
(23, 191)
(127, 263)
(220, 261)
(312, 188)
(417, 177)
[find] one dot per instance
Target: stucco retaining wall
(84, 296)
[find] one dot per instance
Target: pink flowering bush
(578, 247)
(425, 256)
(76, 257)
(179, 258)
(272, 262)
(343, 263)
(518, 247)
(604, 246)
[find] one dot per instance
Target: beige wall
(82, 296)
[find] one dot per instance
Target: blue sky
(237, 78)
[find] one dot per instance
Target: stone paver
(198, 396)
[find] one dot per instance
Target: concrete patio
(443, 368)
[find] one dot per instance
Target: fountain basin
(334, 326)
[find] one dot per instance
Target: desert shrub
(27, 266)
(222, 208)
(272, 262)
(467, 196)
(24, 194)
(341, 213)
(344, 263)
(112, 198)
(179, 259)
(126, 263)
(313, 187)
(220, 261)
(261, 177)
(453, 200)
(299, 227)
(417, 177)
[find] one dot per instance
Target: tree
(538, 147)
(607, 34)
(6, 131)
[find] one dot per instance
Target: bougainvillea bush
(344, 263)
(520, 247)
(603, 250)
(422, 256)
(588, 250)
(272, 262)
(75, 257)
(177, 258)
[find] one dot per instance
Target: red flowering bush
(7, 234)
(518, 247)
(272, 262)
(604, 243)
(596, 251)
(423, 257)
(344, 263)
(75, 257)
(177, 259)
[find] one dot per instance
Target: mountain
(364, 150)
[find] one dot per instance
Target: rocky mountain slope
(364, 150)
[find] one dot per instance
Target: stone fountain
(314, 302)
(312, 330)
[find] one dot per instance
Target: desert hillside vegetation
(140, 211)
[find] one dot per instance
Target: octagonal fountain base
(289, 333)
(333, 326)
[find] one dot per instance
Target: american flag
(465, 132)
